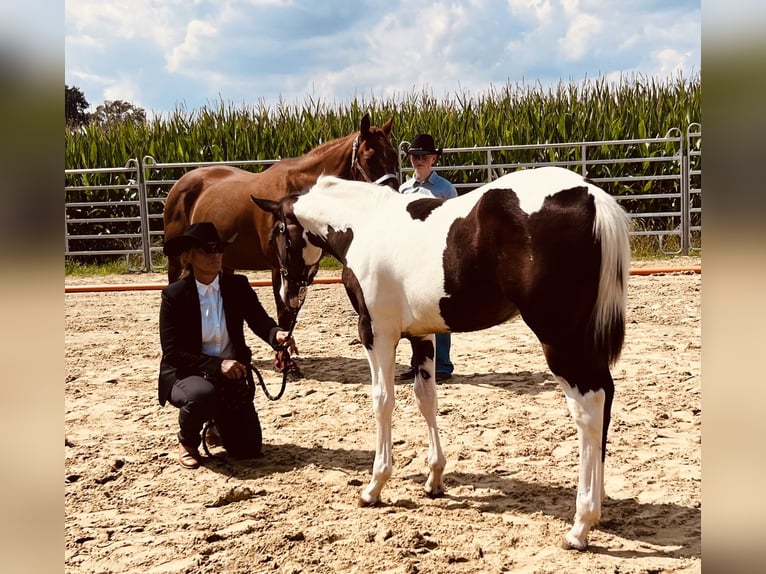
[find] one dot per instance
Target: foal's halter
(283, 253)
(356, 166)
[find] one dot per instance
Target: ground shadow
(651, 523)
(627, 518)
(345, 370)
(279, 458)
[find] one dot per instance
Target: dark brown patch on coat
(567, 268)
(356, 296)
(337, 243)
(422, 349)
(422, 208)
(486, 263)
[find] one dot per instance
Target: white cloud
(123, 88)
(671, 62)
(531, 10)
(195, 46)
(580, 36)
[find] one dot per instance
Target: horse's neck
(337, 206)
(332, 158)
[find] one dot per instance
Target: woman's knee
(193, 390)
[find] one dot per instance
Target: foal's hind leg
(425, 396)
(589, 391)
(587, 410)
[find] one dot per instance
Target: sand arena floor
(510, 443)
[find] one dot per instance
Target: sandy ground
(510, 443)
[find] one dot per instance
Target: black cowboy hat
(423, 144)
(202, 234)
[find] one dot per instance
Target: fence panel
(103, 213)
(118, 211)
(694, 182)
(647, 176)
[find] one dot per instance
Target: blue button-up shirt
(435, 185)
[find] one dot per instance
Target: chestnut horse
(221, 194)
(546, 244)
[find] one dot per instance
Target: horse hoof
(434, 492)
(568, 544)
(363, 502)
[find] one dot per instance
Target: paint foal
(543, 243)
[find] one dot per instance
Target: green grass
(330, 264)
(78, 268)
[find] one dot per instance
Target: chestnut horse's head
(373, 158)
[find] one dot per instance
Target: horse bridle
(357, 166)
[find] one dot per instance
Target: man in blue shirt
(423, 154)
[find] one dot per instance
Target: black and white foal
(544, 243)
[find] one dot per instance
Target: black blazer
(181, 328)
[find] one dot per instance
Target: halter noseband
(357, 166)
(283, 262)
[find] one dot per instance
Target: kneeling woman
(202, 319)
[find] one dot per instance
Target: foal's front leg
(425, 396)
(381, 357)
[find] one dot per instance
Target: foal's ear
(267, 205)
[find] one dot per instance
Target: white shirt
(215, 337)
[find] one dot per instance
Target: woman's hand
(232, 369)
(282, 339)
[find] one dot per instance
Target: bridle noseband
(356, 166)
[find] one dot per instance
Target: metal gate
(118, 211)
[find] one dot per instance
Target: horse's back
(221, 194)
(548, 242)
(195, 190)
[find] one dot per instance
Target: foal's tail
(610, 229)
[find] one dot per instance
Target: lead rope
(285, 353)
(252, 369)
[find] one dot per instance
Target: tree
(118, 112)
(75, 105)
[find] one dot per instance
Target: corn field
(514, 114)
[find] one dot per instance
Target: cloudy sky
(161, 54)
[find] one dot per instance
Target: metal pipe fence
(117, 211)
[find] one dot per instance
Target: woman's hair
(186, 266)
